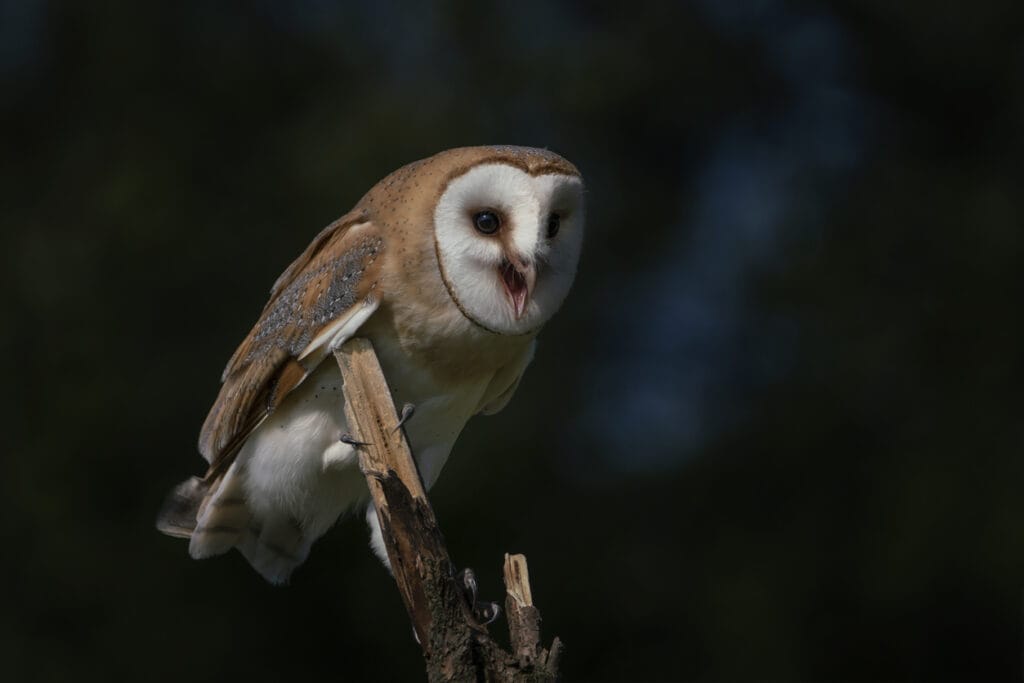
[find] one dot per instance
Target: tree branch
(455, 645)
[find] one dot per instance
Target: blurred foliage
(855, 511)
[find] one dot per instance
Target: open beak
(518, 278)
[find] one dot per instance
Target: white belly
(294, 465)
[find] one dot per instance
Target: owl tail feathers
(177, 517)
(216, 518)
(213, 515)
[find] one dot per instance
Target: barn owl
(450, 266)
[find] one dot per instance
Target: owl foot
(407, 410)
(352, 441)
(484, 612)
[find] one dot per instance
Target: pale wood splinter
(455, 645)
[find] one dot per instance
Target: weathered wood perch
(455, 645)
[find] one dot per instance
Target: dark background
(775, 432)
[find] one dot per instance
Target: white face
(508, 244)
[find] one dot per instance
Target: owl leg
(376, 537)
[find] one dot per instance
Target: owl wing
(319, 301)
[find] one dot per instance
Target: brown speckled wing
(335, 275)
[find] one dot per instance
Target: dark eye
(554, 222)
(486, 222)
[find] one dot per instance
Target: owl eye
(554, 222)
(486, 222)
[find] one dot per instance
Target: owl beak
(518, 278)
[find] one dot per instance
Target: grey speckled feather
(290, 325)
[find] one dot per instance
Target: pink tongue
(515, 285)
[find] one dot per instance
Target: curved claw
(486, 612)
(407, 411)
(467, 581)
(352, 441)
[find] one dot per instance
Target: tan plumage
(451, 314)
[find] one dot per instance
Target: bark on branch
(456, 646)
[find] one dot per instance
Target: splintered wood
(371, 414)
(524, 618)
(385, 459)
(455, 644)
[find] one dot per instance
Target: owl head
(508, 229)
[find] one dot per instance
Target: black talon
(407, 410)
(352, 441)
